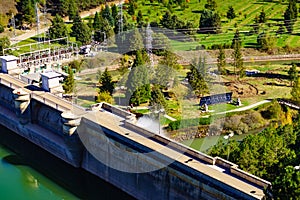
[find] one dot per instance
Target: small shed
(8, 63)
(50, 80)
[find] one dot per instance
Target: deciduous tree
(4, 43)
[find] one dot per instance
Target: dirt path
(240, 109)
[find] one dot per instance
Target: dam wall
(40, 124)
(107, 143)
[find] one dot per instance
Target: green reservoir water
(28, 172)
(203, 144)
(23, 182)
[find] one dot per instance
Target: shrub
(1, 29)
(184, 123)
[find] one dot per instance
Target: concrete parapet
(174, 145)
(118, 111)
(70, 122)
(249, 177)
(22, 101)
(224, 163)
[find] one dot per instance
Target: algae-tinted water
(29, 172)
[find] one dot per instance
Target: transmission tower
(13, 24)
(37, 21)
(104, 43)
(120, 17)
(45, 21)
(148, 45)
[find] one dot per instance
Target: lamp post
(227, 137)
(158, 112)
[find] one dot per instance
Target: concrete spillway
(106, 142)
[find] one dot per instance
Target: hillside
(5, 8)
(245, 16)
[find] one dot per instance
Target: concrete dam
(106, 142)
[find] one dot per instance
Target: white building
(9, 65)
(51, 82)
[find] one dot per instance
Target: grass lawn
(246, 14)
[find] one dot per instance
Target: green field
(245, 11)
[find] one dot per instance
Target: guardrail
(231, 167)
(7, 83)
(48, 102)
(249, 177)
(288, 103)
(116, 111)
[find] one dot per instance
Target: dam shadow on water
(82, 184)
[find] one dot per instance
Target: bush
(1, 29)
(272, 112)
(253, 119)
(175, 125)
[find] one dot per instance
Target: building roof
(33, 76)
(9, 58)
(51, 74)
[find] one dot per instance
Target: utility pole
(104, 41)
(120, 17)
(37, 22)
(45, 21)
(148, 45)
(13, 23)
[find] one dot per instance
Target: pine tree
(230, 13)
(58, 28)
(81, 31)
(262, 17)
(211, 5)
(26, 11)
(97, 22)
(293, 74)
(157, 98)
(136, 41)
(166, 20)
(169, 60)
(221, 61)
(236, 39)
(296, 90)
(131, 8)
(196, 77)
(138, 83)
(69, 82)
(106, 14)
(106, 82)
(139, 18)
(210, 22)
(238, 60)
(72, 9)
(114, 13)
(290, 15)
(63, 7)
